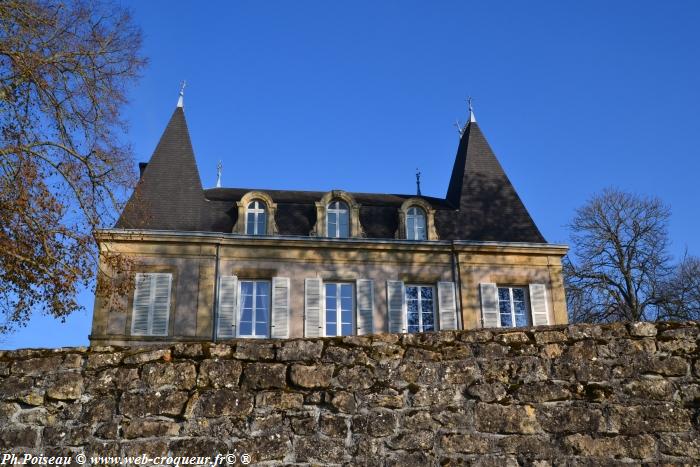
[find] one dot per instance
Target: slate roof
(481, 202)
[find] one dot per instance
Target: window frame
(424, 215)
(338, 311)
(256, 211)
(511, 301)
(239, 310)
(338, 212)
(420, 308)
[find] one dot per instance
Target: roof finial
(181, 99)
(219, 168)
(417, 182)
(460, 128)
(472, 117)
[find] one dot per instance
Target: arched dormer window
(337, 219)
(256, 214)
(256, 218)
(337, 216)
(415, 224)
(416, 220)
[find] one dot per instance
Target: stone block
(148, 428)
(311, 376)
(219, 373)
(223, 403)
(375, 423)
(65, 386)
(264, 375)
(467, 443)
(279, 400)
(254, 350)
(642, 329)
(495, 418)
(319, 450)
(300, 350)
(141, 405)
(169, 375)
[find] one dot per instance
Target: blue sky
(317, 95)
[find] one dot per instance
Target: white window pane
(410, 228)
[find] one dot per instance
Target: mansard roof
(481, 203)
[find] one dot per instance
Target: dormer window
(415, 223)
(337, 216)
(338, 219)
(416, 220)
(256, 218)
(256, 214)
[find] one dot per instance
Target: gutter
(215, 313)
(221, 236)
(457, 279)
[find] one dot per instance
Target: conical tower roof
(169, 195)
(488, 206)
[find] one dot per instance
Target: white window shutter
(161, 304)
(313, 307)
(447, 305)
(489, 306)
(396, 298)
(142, 305)
(365, 306)
(538, 303)
(226, 323)
(280, 308)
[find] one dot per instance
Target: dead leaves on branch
(64, 169)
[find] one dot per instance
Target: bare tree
(619, 265)
(681, 292)
(64, 170)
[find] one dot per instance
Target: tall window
(420, 307)
(512, 306)
(339, 306)
(256, 218)
(151, 304)
(254, 313)
(338, 220)
(415, 224)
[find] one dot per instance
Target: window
(338, 220)
(254, 309)
(339, 307)
(415, 224)
(151, 304)
(256, 218)
(420, 308)
(512, 307)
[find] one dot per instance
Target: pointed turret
(488, 206)
(169, 195)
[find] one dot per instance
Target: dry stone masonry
(576, 395)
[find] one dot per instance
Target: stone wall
(575, 395)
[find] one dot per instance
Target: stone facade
(191, 259)
(563, 395)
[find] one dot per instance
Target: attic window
(415, 224)
(338, 220)
(256, 218)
